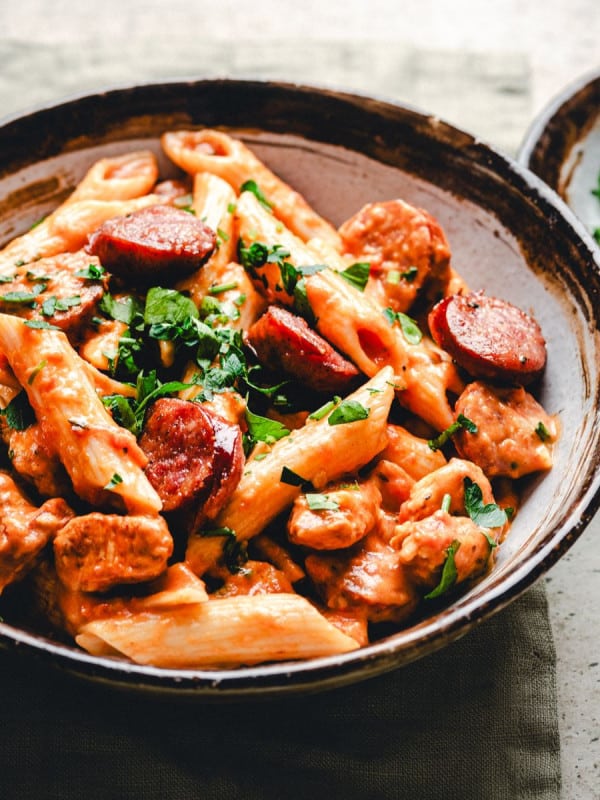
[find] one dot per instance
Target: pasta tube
(102, 459)
(117, 178)
(213, 151)
(230, 632)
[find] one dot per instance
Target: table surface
(488, 68)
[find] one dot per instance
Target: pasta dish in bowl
(281, 409)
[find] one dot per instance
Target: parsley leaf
(93, 272)
(235, 553)
(22, 297)
(262, 429)
(293, 479)
(252, 186)
(321, 502)
(357, 274)
(488, 515)
(18, 413)
(114, 481)
(461, 422)
(449, 573)
(542, 432)
(408, 326)
(348, 411)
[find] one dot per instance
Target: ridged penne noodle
(213, 151)
(102, 459)
(117, 178)
(319, 453)
(67, 229)
(229, 632)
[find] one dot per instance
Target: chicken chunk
(256, 577)
(336, 518)
(427, 495)
(423, 546)
(35, 461)
(25, 529)
(97, 551)
(370, 579)
(514, 434)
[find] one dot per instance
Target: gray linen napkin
(475, 721)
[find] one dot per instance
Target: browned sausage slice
(489, 338)
(284, 341)
(228, 466)
(154, 242)
(179, 440)
(195, 458)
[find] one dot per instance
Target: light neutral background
(488, 67)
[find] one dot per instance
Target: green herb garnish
(348, 411)
(461, 422)
(486, 515)
(449, 572)
(357, 274)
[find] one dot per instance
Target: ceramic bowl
(509, 234)
(562, 146)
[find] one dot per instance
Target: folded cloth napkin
(475, 721)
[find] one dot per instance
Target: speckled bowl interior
(509, 235)
(562, 146)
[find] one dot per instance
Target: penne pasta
(231, 632)
(214, 151)
(118, 178)
(102, 459)
(237, 461)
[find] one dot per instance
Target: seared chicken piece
(335, 518)
(369, 579)
(424, 543)
(98, 551)
(514, 434)
(25, 529)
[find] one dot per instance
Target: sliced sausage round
(490, 338)
(195, 458)
(284, 341)
(152, 243)
(179, 441)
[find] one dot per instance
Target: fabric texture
(475, 721)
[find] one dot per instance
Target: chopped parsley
(19, 414)
(114, 481)
(357, 274)
(321, 502)
(408, 326)
(542, 432)
(293, 479)
(449, 572)
(321, 412)
(93, 272)
(223, 287)
(235, 553)
(486, 515)
(461, 423)
(24, 298)
(348, 411)
(252, 186)
(262, 429)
